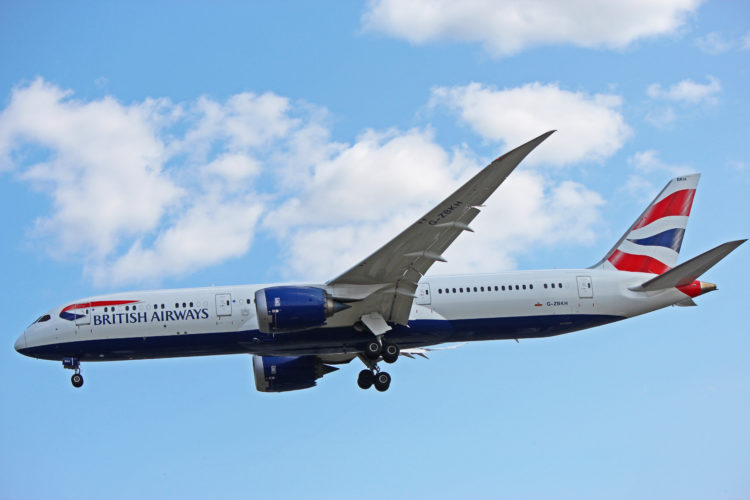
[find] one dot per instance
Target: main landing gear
(372, 376)
(74, 364)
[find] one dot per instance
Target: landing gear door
(423, 294)
(585, 288)
(223, 304)
(83, 314)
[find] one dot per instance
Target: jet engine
(284, 309)
(288, 373)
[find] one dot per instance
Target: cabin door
(585, 290)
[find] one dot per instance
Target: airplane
(387, 306)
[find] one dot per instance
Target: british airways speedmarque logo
(76, 311)
(70, 313)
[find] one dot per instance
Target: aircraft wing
(385, 282)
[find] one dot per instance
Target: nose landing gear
(74, 364)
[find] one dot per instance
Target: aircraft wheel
(77, 380)
(382, 381)
(365, 379)
(373, 349)
(390, 353)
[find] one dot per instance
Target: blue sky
(154, 145)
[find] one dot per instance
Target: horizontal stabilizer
(688, 271)
(686, 303)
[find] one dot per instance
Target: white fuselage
(222, 320)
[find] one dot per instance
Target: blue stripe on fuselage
(318, 341)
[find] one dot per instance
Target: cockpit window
(42, 319)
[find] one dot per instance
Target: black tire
(391, 353)
(382, 381)
(76, 380)
(365, 379)
(373, 349)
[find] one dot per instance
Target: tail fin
(652, 243)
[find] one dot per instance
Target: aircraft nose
(20, 342)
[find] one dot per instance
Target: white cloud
(151, 189)
(714, 43)
(661, 117)
(210, 231)
(508, 27)
(527, 211)
(590, 127)
(647, 164)
(172, 184)
(687, 91)
(103, 165)
(377, 187)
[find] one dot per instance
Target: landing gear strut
(74, 364)
(372, 376)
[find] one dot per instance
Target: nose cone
(20, 343)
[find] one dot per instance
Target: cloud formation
(646, 163)
(592, 127)
(508, 27)
(153, 189)
(132, 199)
(687, 91)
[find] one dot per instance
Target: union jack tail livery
(652, 244)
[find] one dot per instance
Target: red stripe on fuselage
(637, 263)
(99, 303)
(677, 203)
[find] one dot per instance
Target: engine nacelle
(287, 373)
(284, 309)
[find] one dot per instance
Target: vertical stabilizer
(652, 243)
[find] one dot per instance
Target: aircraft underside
(420, 333)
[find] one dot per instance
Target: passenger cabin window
(559, 285)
